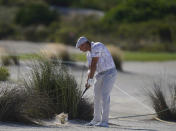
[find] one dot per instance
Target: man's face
(84, 47)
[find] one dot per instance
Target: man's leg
(97, 103)
(106, 90)
(97, 100)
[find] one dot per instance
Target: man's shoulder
(98, 46)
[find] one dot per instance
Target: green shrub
(146, 36)
(10, 59)
(140, 10)
(155, 47)
(66, 35)
(3, 2)
(33, 14)
(17, 2)
(53, 28)
(4, 73)
(60, 2)
(94, 4)
(61, 87)
(6, 30)
(71, 28)
(36, 33)
(5, 60)
(15, 59)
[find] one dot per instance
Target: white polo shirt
(105, 61)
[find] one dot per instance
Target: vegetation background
(135, 25)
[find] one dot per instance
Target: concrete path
(127, 99)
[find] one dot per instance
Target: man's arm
(92, 69)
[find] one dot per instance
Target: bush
(163, 100)
(72, 27)
(85, 110)
(55, 52)
(117, 56)
(15, 59)
(154, 47)
(10, 59)
(61, 87)
(94, 4)
(35, 33)
(23, 105)
(33, 14)
(4, 73)
(60, 2)
(5, 60)
(18, 2)
(6, 30)
(137, 10)
(146, 36)
(66, 35)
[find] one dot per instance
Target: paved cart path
(127, 98)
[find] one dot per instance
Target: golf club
(82, 95)
(84, 92)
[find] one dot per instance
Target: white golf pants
(102, 88)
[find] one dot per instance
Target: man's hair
(88, 42)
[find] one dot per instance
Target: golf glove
(88, 72)
(90, 82)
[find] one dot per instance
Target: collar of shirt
(91, 44)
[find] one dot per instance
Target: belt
(103, 72)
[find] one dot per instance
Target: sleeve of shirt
(88, 60)
(97, 51)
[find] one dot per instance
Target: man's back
(105, 61)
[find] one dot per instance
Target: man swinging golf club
(101, 64)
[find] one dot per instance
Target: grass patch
(4, 73)
(78, 57)
(136, 56)
(127, 56)
(149, 56)
(29, 56)
(73, 57)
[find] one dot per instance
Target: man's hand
(91, 72)
(87, 85)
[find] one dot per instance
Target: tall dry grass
(49, 91)
(163, 99)
(117, 55)
(54, 80)
(8, 57)
(19, 104)
(56, 51)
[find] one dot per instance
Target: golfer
(101, 65)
